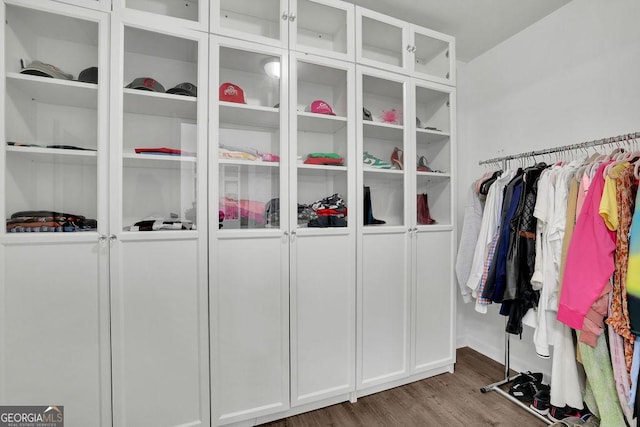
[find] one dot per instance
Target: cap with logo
(186, 88)
(39, 68)
(320, 107)
(89, 75)
(366, 114)
(146, 83)
(231, 93)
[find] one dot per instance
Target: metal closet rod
(587, 144)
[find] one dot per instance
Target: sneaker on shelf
(374, 162)
(541, 402)
(558, 414)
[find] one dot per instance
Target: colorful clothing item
(597, 365)
(619, 316)
(633, 271)
(589, 260)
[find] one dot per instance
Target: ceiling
(478, 25)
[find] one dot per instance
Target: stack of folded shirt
(331, 211)
(163, 151)
(48, 221)
(156, 224)
(324, 159)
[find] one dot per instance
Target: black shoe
(527, 390)
(541, 402)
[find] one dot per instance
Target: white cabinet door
(322, 317)
(323, 27)
(382, 41)
(193, 14)
(401, 47)
(54, 328)
(433, 55)
(384, 309)
(104, 5)
(433, 301)
(159, 225)
(249, 315)
(264, 21)
(159, 332)
(249, 254)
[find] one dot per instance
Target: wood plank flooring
(445, 400)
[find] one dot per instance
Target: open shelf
(380, 130)
(249, 115)
(157, 161)
(160, 104)
(55, 91)
(313, 122)
(320, 169)
(429, 136)
(55, 155)
(239, 162)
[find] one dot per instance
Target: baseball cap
(186, 88)
(418, 123)
(320, 107)
(146, 83)
(231, 93)
(366, 114)
(39, 68)
(89, 75)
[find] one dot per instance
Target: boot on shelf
(368, 211)
(424, 216)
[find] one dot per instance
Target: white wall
(571, 77)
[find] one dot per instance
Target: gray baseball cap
(146, 83)
(39, 68)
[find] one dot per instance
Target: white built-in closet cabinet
(248, 322)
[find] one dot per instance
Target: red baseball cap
(320, 107)
(231, 93)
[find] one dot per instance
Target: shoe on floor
(527, 390)
(541, 402)
(567, 413)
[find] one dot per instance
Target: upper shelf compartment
(167, 59)
(55, 91)
(251, 19)
(185, 13)
(324, 28)
(160, 104)
(398, 46)
(66, 42)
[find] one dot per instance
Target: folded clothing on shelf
(163, 151)
(333, 159)
(48, 221)
(156, 224)
(242, 209)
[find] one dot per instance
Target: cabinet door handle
(293, 236)
(409, 48)
(112, 237)
(102, 238)
(285, 16)
(413, 49)
(292, 17)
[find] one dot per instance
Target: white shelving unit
(283, 338)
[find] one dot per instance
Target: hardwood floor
(446, 400)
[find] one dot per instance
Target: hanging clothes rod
(581, 145)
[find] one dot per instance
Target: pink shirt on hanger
(589, 259)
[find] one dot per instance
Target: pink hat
(320, 107)
(231, 93)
